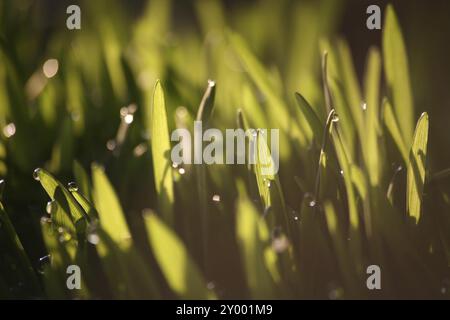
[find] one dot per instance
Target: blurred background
(74, 108)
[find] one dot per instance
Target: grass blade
(397, 73)
(112, 218)
(416, 168)
(160, 146)
(180, 271)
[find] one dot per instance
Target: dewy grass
(350, 191)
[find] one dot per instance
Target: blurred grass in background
(361, 181)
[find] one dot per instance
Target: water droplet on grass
(9, 130)
(364, 106)
(181, 171)
(93, 238)
(50, 68)
(72, 186)
(43, 261)
(216, 198)
(36, 174)
(280, 244)
(50, 207)
(111, 145)
(312, 203)
(335, 118)
(210, 285)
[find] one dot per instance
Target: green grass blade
(397, 73)
(253, 235)
(12, 245)
(180, 271)
(69, 211)
(416, 168)
(160, 146)
(82, 179)
(112, 218)
(311, 118)
(371, 120)
(206, 107)
(392, 125)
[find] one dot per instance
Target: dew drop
(216, 198)
(72, 186)
(93, 238)
(2, 186)
(64, 237)
(9, 130)
(268, 183)
(342, 172)
(75, 115)
(50, 68)
(43, 261)
(50, 207)
(128, 118)
(36, 174)
(181, 171)
(335, 118)
(364, 106)
(312, 203)
(296, 218)
(280, 244)
(140, 150)
(111, 145)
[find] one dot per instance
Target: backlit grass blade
(180, 271)
(278, 111)
(71, 210)
(394, 129)
(206, 107)
(253, 237)
(112, 218)
(311, 118)
(416, 168)
(82, 179)
(160, 146)
(341, 250)
(371, 120)
(12, 246)
(397, 73)
(350, 83)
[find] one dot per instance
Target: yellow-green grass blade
(179, 269)
(253, 236)
(70, 213)
(160, 146)
(396, 70)
(393, 127)
(112, 218)
(372, 158)
(417, 167)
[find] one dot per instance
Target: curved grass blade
(69, 211)
(206, 107)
